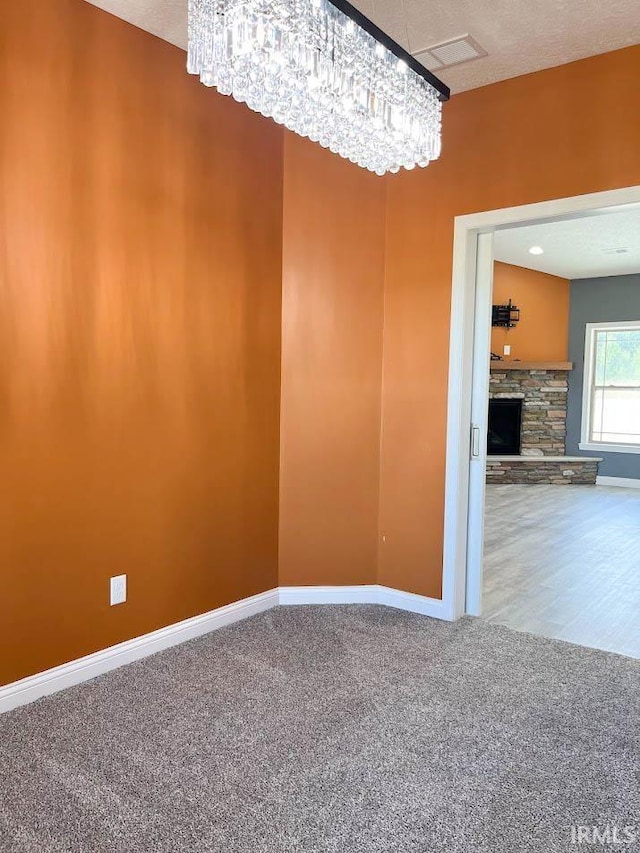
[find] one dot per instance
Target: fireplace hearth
(527, 427)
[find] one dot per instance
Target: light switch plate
(118, 590)
(507, 350)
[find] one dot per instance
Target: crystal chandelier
(323, 70)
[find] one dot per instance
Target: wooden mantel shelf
(531, 365)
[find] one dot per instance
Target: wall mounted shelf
(531, 365)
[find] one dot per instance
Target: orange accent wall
(561, 132)
(543, 331)
(140, 300)
(333, 307)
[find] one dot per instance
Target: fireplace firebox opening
(505, 427)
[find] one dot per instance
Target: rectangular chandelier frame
(380, 36)
(326, 72)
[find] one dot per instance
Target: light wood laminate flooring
(564, 562)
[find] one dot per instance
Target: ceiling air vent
(452, 52)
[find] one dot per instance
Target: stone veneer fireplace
(542, 388)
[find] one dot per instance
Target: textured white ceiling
(519, 36)
(578, 248)
(164, 18)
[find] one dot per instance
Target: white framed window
(611, 390)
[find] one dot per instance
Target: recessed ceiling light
(536, 250)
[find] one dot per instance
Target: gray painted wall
(598, 300)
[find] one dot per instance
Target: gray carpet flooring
(337, 729)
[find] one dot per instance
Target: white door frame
(473, 263)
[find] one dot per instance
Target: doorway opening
(470, 441)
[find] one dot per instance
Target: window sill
(610, 448)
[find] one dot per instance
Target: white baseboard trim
(367, 594)
(624, 482)
(300, 595)
(83, 669)
(434, 607)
